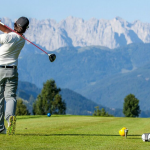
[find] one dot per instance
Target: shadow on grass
(29, 117)
(36, 134)
(41, 116)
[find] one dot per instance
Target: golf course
(67, 132)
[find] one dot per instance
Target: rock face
(77, 32)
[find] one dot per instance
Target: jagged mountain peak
(119, 19)
(74, 31)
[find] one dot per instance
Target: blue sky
(130, 10)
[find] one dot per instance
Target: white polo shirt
(11, 45)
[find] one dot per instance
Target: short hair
(19, 29)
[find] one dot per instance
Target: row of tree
(50, 101)
(131, 108)
(101, 112)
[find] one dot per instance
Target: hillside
(80, 105)
(75, 66)
(90, 68)
(112, 91)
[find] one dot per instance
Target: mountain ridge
(78, 32)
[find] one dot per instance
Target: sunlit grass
(76, 132)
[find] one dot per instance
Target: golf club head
(52, 57)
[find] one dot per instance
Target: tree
(49, 100)
(131, 106)
(97, 112)
(101, 112)
(59, 106)
(21, 108)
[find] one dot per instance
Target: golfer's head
(21, 25)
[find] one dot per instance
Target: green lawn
(76, 133)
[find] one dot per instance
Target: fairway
(76, 133)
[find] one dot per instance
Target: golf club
(52, 57)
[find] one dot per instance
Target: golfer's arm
(4, 29)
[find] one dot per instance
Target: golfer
(10, 46)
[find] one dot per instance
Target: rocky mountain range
(101, 74)
(78, 32)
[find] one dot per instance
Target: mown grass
(76, 133)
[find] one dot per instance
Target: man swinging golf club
(11, 45)
(12, 42)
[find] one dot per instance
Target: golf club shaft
(23, 37)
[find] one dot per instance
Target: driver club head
(52, 57)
